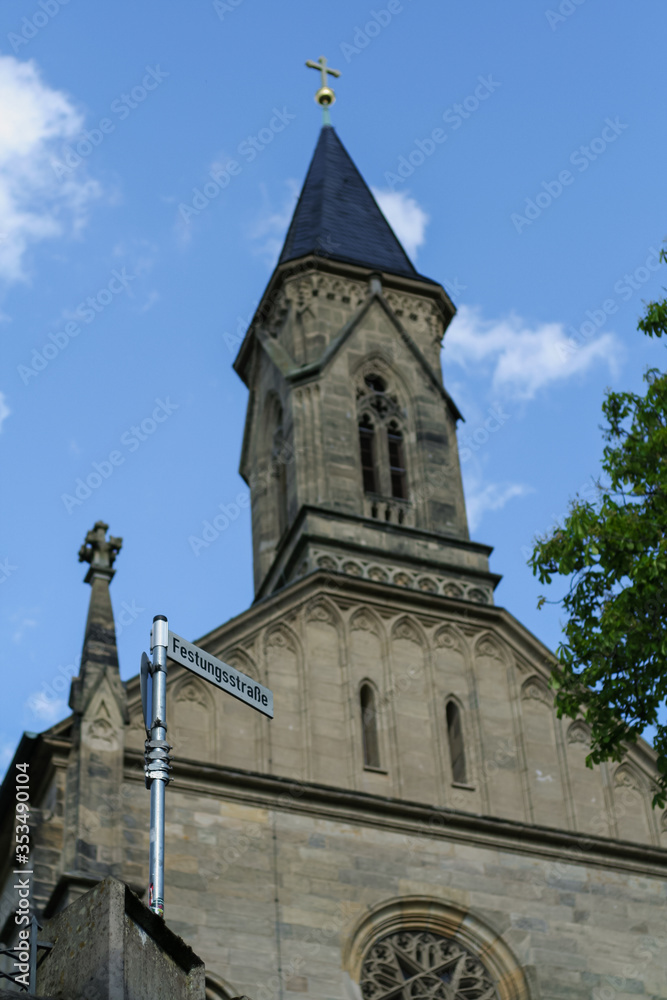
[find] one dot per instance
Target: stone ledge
(437, 822)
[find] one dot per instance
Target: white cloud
(4, 409)
(45, 708)
(22, 627)
(405, 216)
(523, 360)
(35, 205)
(494, 496)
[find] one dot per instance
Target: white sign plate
(221, 674)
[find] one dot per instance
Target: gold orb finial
(325, 96)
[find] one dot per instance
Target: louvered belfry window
(367, 447)
(396, 462)
(381, 440)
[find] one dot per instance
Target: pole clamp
(157, 757)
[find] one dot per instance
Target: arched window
(456, 748)
(381, 422)
(369, 726)
(367, 447)
(396, 462)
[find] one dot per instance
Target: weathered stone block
(108, 946)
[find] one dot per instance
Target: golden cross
(321, 64)
(325, 95)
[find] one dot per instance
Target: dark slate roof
(337, 216)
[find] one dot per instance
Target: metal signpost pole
(157, 762)
(153, 678)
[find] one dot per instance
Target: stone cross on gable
(99, 551)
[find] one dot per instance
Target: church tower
(415, 820)
(350, 443)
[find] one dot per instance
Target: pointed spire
(99, 643)
(337, 216)
(93, 843)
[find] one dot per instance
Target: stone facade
(315, 644)
(415, 800)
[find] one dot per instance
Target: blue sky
(540, 204)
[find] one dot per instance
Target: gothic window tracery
(422, 965)
(382, 447)
(396, 461)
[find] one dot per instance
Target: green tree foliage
(612, 663)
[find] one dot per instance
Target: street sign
(153, 684)
(221, 674)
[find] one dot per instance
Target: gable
(376, 316)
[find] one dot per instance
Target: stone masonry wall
(272, 900)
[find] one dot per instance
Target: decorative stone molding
(326, 562)
(448, 639)
(405, 629)
(458, 589)
(383, 406)
(535, 689)
(101, 732)
(364, 621)
(414, 311)
(303, 289)
(488, 647)
(579, 732)
(321, 611)
(280, 637)
(441, 919)
(626, 776)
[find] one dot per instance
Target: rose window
(420, 965)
